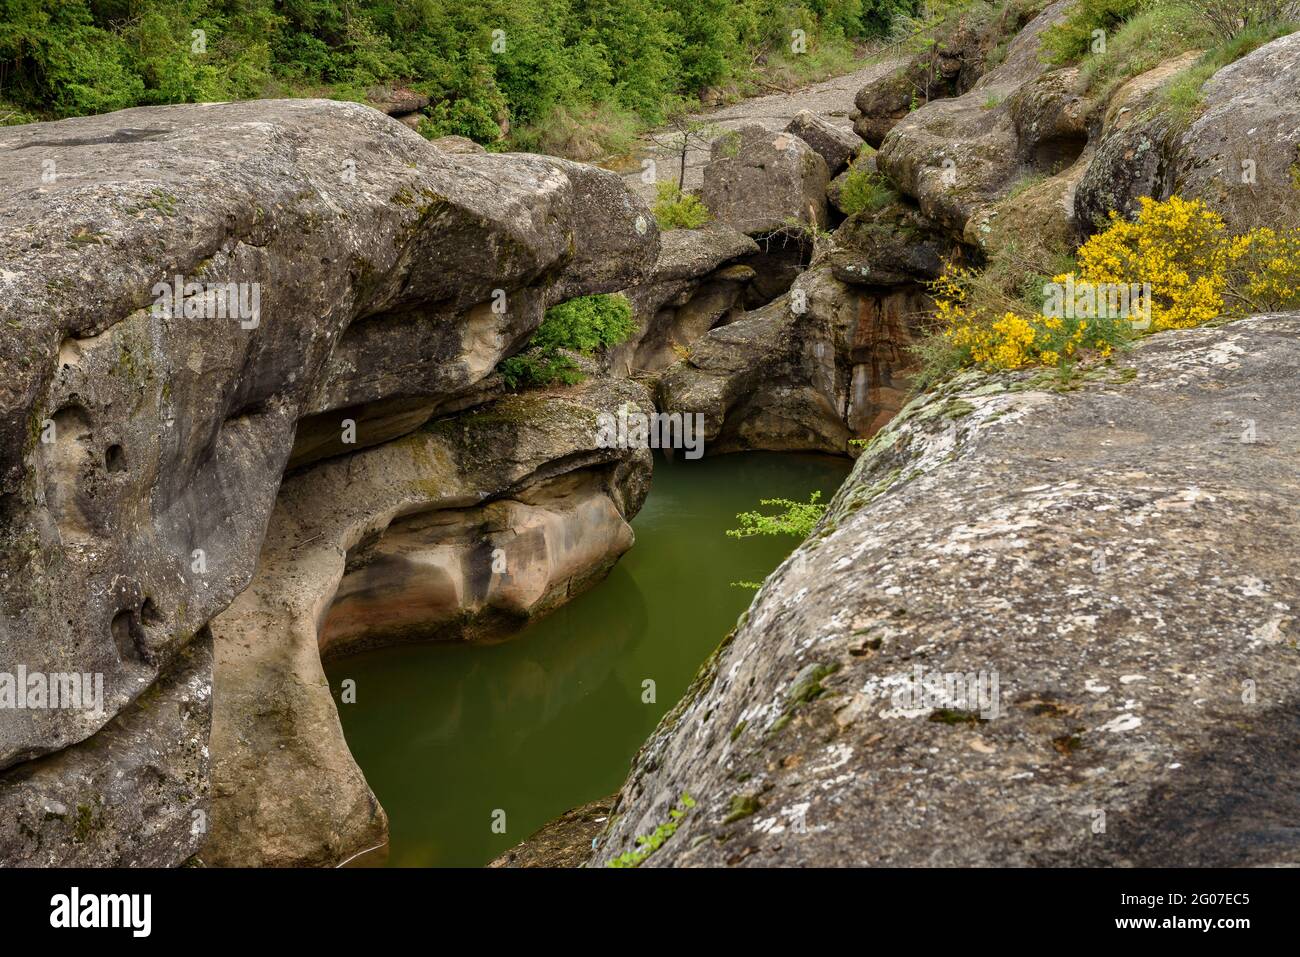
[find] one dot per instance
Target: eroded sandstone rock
(1118, 555)
(140, 453)
(891, 246)
(825, 363)
(949, 66)
(462, 530)
(1133, 149)
(698, 282)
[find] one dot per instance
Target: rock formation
(250, 417)
(463, 529)
(1026, 612)
(834, 145)
(760, 182)
(949, 66)
(699, 281)
(346, 275)
(1239, 155)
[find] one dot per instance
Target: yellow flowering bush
(1266, 273)
(1007, 335)
(1176, 246)
(1174, 267)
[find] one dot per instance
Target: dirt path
(831, 98)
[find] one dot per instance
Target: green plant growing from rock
(647, 844)
(583, 325)
(795, 518)
(865, 191)
(675, 209)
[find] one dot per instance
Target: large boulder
(1039, 625)
(341, 260)
(1239, 154)
(1135, 147)
(837, 146)
(1242, 153)
(759, 182)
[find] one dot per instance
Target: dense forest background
(554, 66)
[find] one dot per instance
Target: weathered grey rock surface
(1239, 154)
(1121, 556)
(759, 182)
(564, 842)
(1133, 152)
(134, 795)
(140, 454)
(837, 146)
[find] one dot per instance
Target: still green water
(448, 734)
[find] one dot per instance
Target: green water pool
(450, 735)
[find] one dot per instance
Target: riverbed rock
(836, 145)
(698, 282)
(465, 529)
(958, 157)
(759, 182)
(825, 363)
(456, 144)
(398, 101)
(1118, 553)
(949, 66)
(947, 69)
(141, 453)
(134, 795)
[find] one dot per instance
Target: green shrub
(675, 209)
(1072, 38)
(538, 368)
(583, 325)
(795, 518)
(586, 324)
(1227, 19)
(865, 191)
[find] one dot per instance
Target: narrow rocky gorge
(202, 508)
